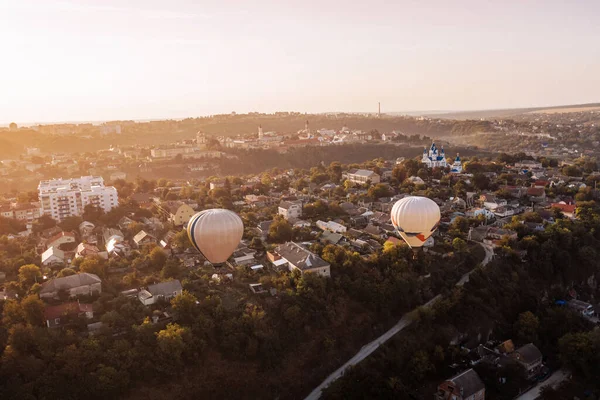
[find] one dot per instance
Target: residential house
(144, 200)
(167, 241)
(362, 176)
(515, 191)
(245, 259)
(256, 201)
(350, 209)
(568, 210)
(298, 258)
(300, 224)
(465, 386)
(56, 316)
(491, 202)
(504, 211)
(380, 218)
(143, 238)
(160, 291)
(415, 180)
(216, 184)
(331, 226)
(373, 230)
(89, 250)
(176, 212)
(536, 194)
(26, 212)
(289, 209)
(458, 204)
(75, 285)
(386, 174)
(125, 223)
(528, 164)
(60, 239)
(53, 256)
(7, 212)
(530, 357)
(330, 237)
(86, 229)
(477, 211)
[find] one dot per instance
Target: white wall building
(288, 209)
(61, 198)
(435, 157)
(457, 165)
(363, 176)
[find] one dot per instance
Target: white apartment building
(61, 198)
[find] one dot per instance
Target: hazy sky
(129, 59)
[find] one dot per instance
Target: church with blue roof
(437, 158)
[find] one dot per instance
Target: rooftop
(165, 288)
(528, 353)
(466, 384)
(70, 282)
(299, 256)
(53, 312)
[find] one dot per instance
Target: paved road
(554, 380)
(369, 348)
(489, 254)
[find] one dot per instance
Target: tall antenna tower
(379, 110)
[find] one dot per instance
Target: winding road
(405, 321)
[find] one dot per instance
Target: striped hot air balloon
(215, 233)
(415, 219)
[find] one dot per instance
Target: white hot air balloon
(215, 233)
(415, 219)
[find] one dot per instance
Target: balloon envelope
(415, 219)
(215, 233)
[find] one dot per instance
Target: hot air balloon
(215, 233)
(415, 219)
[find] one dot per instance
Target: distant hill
(510, 112)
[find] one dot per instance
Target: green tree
(527, 326)
(257, 244)
(571, 170)
(93, 266)
(378, 191)
(459, 245)
(171, 269)
(459, 227)
(181, 240)
(92, 213)
(172, 343)
(158, 257)
(185, 307)
(12, 313)
(71, 223)
(581, 352)
(29, 274)
(65, 272)
(33, 310)
(420, 365)
(280, 231)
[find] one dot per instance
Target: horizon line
(405, 112)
